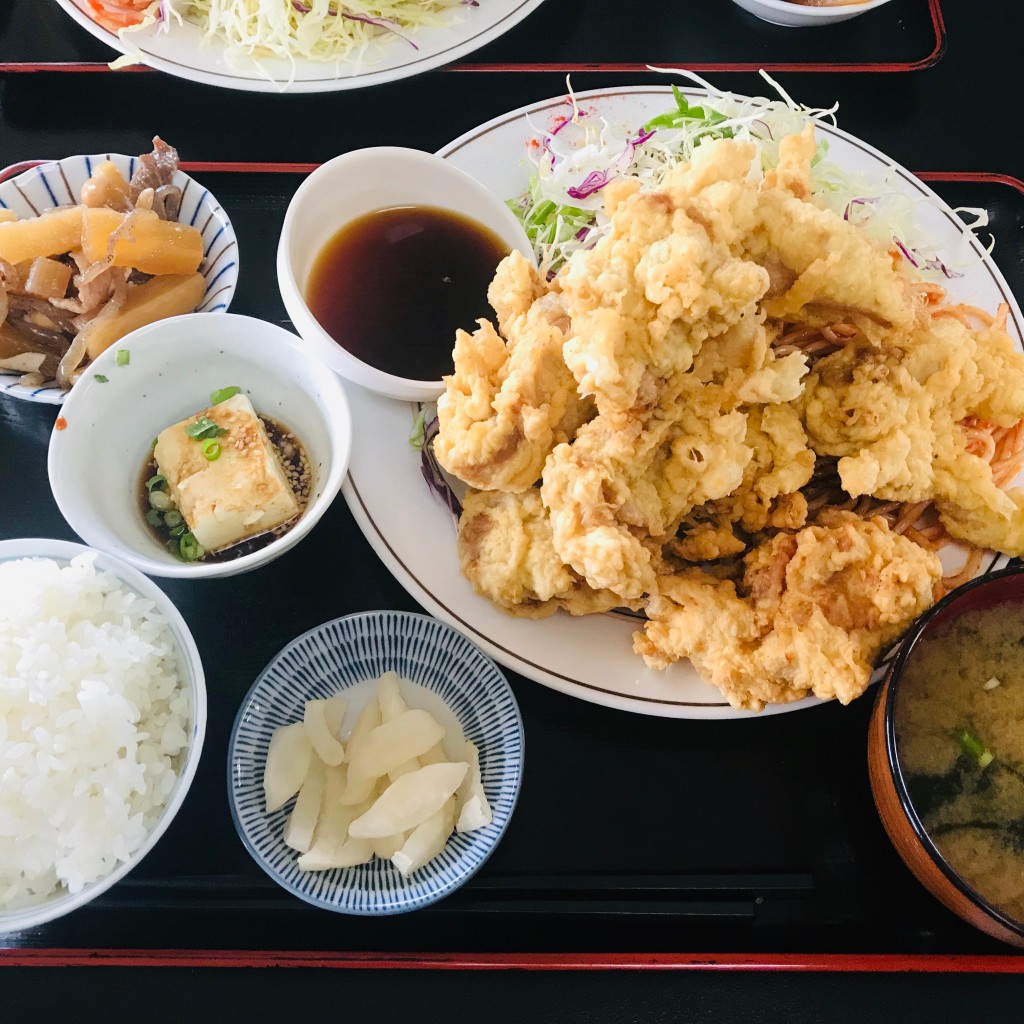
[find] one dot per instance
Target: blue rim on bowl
(339, 655)
(59, 183)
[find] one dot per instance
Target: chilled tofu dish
(225, 481)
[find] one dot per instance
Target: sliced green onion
(211, 449)
(172, 518)
(973, 747)
(203, 428)
(216, 397)
(174, 546)
(160, 500)
(123, 357)
(157, 480)
(154, 444)
(154, 518)
(100, 378)
(191, 549)
(416, 435)
(178, 530)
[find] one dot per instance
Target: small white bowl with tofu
(375, 764)
(384, 253)
(200, 446)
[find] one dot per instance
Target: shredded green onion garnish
(417, 434)
(100, 378)
(123, 357)
(203, 428)
(158, 480)
(211, 449)
(172, 518)
(154, 518)
(973, 747)
(216, 397)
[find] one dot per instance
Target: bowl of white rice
(102, 719)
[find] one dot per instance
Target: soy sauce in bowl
(392, 286)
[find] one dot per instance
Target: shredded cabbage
(350, 32)
(563, 208)
(315, 30)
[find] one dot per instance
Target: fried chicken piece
(819, 607)
(505, 551)
(509, 403)
(514, 289)
(646, 297)
(741, 360)
(708, 541)
(622, 487)
(893, 414)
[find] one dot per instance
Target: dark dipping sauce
(392, 287)
(297, 470)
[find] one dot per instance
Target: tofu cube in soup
(240, 493)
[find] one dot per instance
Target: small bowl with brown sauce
(384, 254)
(946, 753)
(201, 446)
(807, 13)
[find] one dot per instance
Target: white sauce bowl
(782, 12)
(358, 183)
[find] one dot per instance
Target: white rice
(93, 725)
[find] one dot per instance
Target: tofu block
(242, 493)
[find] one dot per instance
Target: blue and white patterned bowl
(59, 182)
(340, 655)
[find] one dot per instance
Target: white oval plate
(181, 52)
(590, 657)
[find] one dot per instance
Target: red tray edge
(934, 8)
(263, 167)
(885, 963)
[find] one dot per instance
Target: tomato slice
(116, 14)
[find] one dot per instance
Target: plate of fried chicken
(717, 457)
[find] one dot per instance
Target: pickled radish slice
(328, 747)
(288, 759)
(426, 841)
(474, 810)
(412, 733)
(360, 787)
(298, 831)
(324, 856)
(409, 801)
(389, 696)
(389, 746)
(335, 817)
(335, 714)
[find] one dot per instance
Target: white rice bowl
(101, 712)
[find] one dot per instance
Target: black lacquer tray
(650, 839)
